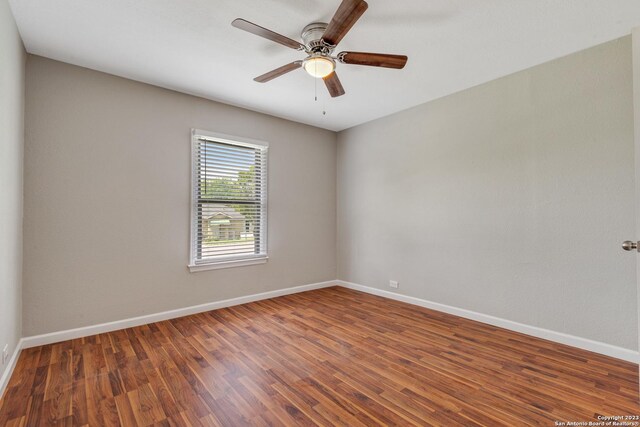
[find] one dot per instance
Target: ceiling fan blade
(278, 72)
(333, 85)
(344, 18)
(267, 34)
(373, 59)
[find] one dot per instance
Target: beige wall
(107, 171)
(12, 59)
(510, 199)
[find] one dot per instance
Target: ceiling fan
(320, 40)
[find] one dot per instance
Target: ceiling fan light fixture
(319, 66)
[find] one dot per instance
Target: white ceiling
(190, 46)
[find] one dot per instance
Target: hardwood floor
(326, 357)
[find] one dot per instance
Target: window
(229, 201)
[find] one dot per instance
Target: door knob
(629, 246)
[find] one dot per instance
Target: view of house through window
(229, 200)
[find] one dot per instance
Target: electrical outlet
(5, 354)
(394, 284)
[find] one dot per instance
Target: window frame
(225, 261)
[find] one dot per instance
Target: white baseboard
(583, 343)
(4, 380)
(559, 337)
(86, 331)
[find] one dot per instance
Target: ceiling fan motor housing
(312, 37)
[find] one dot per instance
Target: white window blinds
(229, 219)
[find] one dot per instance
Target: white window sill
(193, 268)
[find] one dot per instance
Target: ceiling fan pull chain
(324, 106)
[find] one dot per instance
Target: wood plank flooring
(326, 357)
